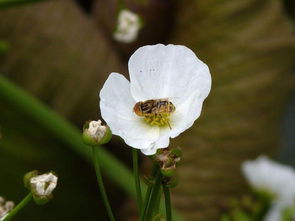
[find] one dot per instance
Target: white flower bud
(44, 184)
(5, 207)
(128, 26)
(95, 133)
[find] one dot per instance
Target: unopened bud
(129, 24)
(41, 186)
(94, 133)
(168, 159)
(5, 207)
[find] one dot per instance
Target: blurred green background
(61, 52)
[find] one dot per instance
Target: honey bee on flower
(164, 97)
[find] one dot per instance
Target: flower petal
(185, 114)
(274, 213)
(162, 142)
(171, 71)
(149, 151)
(116, 105)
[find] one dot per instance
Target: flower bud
(129, 24)
(168, 159)
(5, 207)
(94, 133)
(41, 186)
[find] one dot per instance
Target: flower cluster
(275, 179)
(5, 207)
(164, 97)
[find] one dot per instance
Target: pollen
(161, 120)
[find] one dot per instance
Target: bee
(158, 109)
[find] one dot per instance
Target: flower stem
(166, 191)
(136, 179)
(153, 197)
(100, 183)
(19, 207)
(148, 194)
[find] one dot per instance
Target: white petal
(171, 71)
(116, 105)
(274, 214)
(162, 142)
(149, 151)
(185, 114)
(265, 174)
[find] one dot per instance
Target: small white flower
(264, 174)
(128, 26)
(44, 184)
(156, 72)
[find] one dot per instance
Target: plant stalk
(101, 184)
(18, 208)
(136, 179)
(166, 191)
(153, 197)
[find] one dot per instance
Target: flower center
(160, 120)
(156, 112)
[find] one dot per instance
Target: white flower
(170, 72)
(44, 184)
(274, 178)
(128, 26)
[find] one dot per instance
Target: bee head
(137, 109)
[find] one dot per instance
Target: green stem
(148, 194)
(146, 200)
(100, 184)
(19, 207)
(166, 191)
(136, 178)
(157, 203)
(153, 198)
